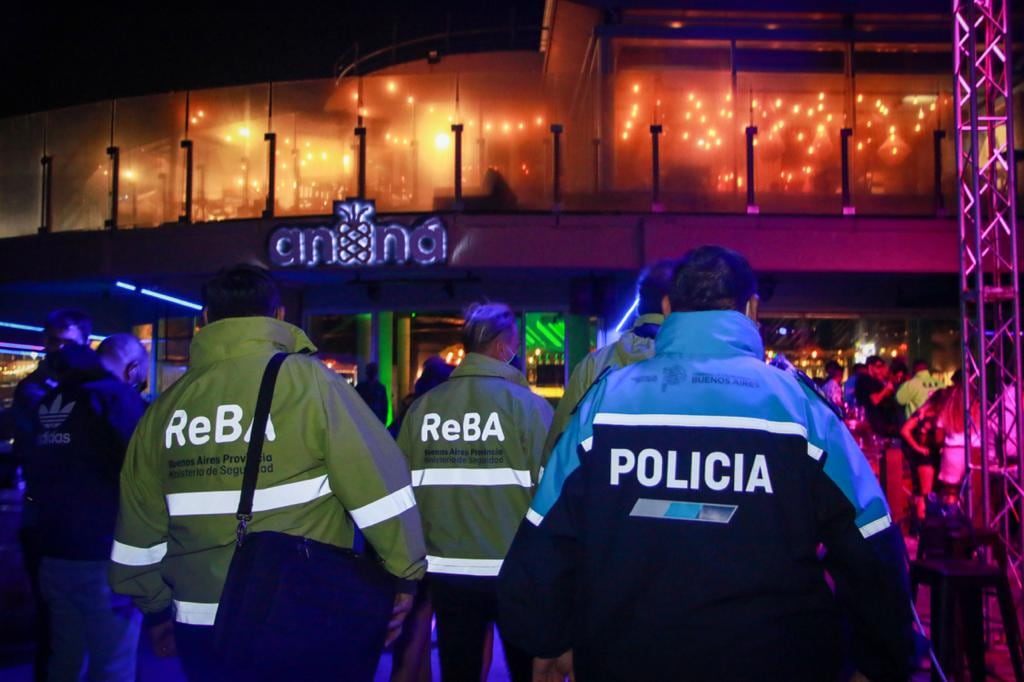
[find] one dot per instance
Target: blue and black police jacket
(677, 531)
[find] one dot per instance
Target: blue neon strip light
(30, 328)
(170, 299)
(21, 353)
(156, 294)
(22, 327)
(629, 314)
(21, 346)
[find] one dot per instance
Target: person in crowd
(898, 373)
(435, 371)
(876, 393)
(833, 387)
(82, 431)
(475, 447)
(635, 345)
(677, 525)
(952, 430)
(334, 468)
(914, 392)
(858, 370)
(411, 651)
(923, 446)
(373, 392)
(63, 327)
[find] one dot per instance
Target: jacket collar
(479, 365)
(722, 333)
(238, 336)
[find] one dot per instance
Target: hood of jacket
(238, 336)
(480, 365)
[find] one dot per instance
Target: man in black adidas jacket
(82, 429)
(675, 532)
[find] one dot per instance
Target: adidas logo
(56, 414)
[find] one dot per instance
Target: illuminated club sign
(356, 239)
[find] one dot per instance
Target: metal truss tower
(989, 271)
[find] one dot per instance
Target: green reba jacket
(630, 348)
(327, 462)
(475, 447)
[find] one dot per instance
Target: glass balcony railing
(700, 109)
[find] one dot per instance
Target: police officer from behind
(676, 530)
(328, 464)
(474, 444)
(635, 345)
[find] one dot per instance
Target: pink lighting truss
(989, 271)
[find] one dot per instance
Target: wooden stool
(957, 584)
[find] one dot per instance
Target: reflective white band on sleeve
(588, 444)
(533, 517)
(876, 526)
(706, 420)
(127, 555)
(814, 451)
(540, 475)
(485, 567)
(480, 477)
(385, 508)
(194, 613)
(226, 501)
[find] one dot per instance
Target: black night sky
(53, 58)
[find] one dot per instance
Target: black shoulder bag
(293, 607)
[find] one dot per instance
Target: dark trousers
(465, 606)
(27, 536)
(197, 653)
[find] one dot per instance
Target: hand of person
(554, 669)
(402, 607)
(161, 638)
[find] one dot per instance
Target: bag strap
(256, 436)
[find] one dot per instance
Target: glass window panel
(507, 143)
(316, 162)
(77, 139)
(148, 132)
(409, 143)
(21, 148)
(797, 157)
(893, 158)
(572, 102)
(687, 89)
(230, 162)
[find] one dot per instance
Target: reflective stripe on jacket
(475, 447)
(328, 461)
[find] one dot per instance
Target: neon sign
(357, 240)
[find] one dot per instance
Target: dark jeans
(465, 606)
(27, 536)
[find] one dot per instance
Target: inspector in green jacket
(635, 345)
(475, 447)
(328, 461)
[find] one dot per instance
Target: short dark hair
(64, 318)
(858, 366)
(921, 364)
(874, 360)
(712, 278)
(897, 365)
(241, 291)
(832, 366)
(653, 285)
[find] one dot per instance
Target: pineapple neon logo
(357, 240)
